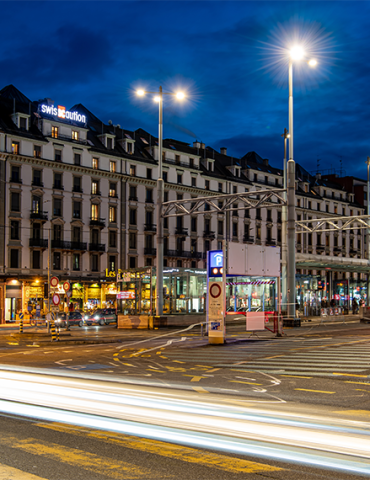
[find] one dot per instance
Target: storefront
(251, 294)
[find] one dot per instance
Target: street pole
(160, 196)
(368, 230)
(284, 253)
(291, 206)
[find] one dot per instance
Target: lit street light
(159, 237)
(296, 54)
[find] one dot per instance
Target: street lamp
(159, 237)
(297, 53)
(284, 254)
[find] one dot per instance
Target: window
(310, 205)
(193, 245)
(177, 159)
(149, 173)
(235, 211)
(94, 211)
(112, 214)
(132, 262)
(206, 185)
(112, 262)
(220, 229)
(149, 217)
(112, 166)
(235, 189)
(15, 148)
(279, 235)
(74, 135)
(57, 207)
(258, 214)
(94, 262)
(14, 258)
(132, 241)
(76, 209)
(56, 261)
(36, 204)
(36, 178)
(57, 233)
(14, 230)
(235, 229)
(15, 174)
(165, 222)
(54, 132)
(191, 162)
(298, 202)
(269, 216)
(36, 259)
(113, 190)
(279, 216)
(77, 184)
(110, 143)
(95, 187)
(95, 163)
(335, 209)
(318, 206)
(220, 187)
(77, 159)
(15, 202)
(133, 170)
(58, 155)
(165, 196)
(193, 181)
(37, 151)
(258, 232)
(58, 181)
(149, 195)
(23, 123)
(133, 216)
(76, 262)
(327, 208)
(179, 178)
(95, 236)
(76, 234)
(112, 239)
(133, 193)
(193, 224)
(165, 176)
(129, 148)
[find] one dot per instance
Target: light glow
(297, 53)
(157, 99)
(180, 95)
(140, 92)
(312, 62)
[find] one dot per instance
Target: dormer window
(109, 143)
(210, 165)
(23, 123)
(129, 147)
(21, 120)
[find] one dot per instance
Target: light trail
(205, 421)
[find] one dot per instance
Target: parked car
(102, 316)
(75, 318)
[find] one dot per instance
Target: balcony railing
(150, 227)
(38, 242)
(182, 254)
(77, 189)
(97, 193)
(58, 186)
(70, 139)
(97, 222)
(181, 231)
(209, 234)
(180, 164)
(68, 245)
(132, 198)
(37, 183)
(248, 239)
(97, 247)
(150, 251)
(15, 180)
(38, 215)
(270, 242)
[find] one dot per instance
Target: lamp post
(368, 230)
(160, 195)
(296, 54)
(283, 232)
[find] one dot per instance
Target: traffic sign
(69, 294)
(56, 299)
(66, 286)
(54, 282)
(21, 316)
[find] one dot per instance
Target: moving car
(102, 316)
(75, 318)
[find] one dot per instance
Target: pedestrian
(332, 302)
(354, 306)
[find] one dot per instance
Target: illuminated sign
(62, 113)
(215, 263)
(125, 295)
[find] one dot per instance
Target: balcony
(38, 215)
(15, 180)
(132, 199)
(149, 227)
(97, 222)
(38, 242)
(181, 232)
(96, 247)
(77, 189)
(67, 245)
(270, 242)
(96, 193)
(37, 183)
(183, 254)
(180, 164)
(320, 248)
(248, 239)
(70, 139)
(58, 186)
(209, 235)
(150, 251)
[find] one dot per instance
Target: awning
(338, 264)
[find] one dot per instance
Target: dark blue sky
(230, 58)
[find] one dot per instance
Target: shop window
(58, 155)
(133, 216)
(112, 263)
(57, 207)
(56, 261)
(112, 166)
(15, 202)
(15, 175)
(14, 258)
(112, 214)
(112, 239)
(15, 148)
(113, 190)
(36, 259)
(132, 262)
(54, 132)
(37, 151)
(14, 230)
(77, 158)
(74, 135)
(76, 209)
(95, 163)
(94, 263)
(76, 262)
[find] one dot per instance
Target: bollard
(21, 325)
(53, 332)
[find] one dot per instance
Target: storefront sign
(113, 273)
(126, 295)
(61, 112)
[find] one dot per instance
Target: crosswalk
(317, 357)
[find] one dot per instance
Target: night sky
(231, 58)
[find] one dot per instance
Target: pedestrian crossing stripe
(10, 473)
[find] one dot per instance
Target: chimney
(203, 145)
(196, 144)
(223, 150)
(318, 176)
(266, 162)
